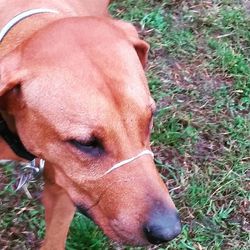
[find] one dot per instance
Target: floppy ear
(142, 49)
(140, 46)
(10, 75)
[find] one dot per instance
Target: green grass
(21, 222)
(200, 77)
(84, 233)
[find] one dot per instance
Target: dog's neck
(19, 28)
(20, 17)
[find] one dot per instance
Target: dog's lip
(125, 236)
(120, 235)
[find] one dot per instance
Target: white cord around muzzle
(122, 163)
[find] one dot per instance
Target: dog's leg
(59, 211)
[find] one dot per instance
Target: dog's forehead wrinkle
(86, 49)
(123, 76)
(106, 98)
(71, 41)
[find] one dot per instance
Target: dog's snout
(162, 226)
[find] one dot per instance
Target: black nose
(163, 226)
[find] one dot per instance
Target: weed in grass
(228, 60)
(157, 20)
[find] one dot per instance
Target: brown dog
(72, 87)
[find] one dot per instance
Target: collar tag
(29, 172)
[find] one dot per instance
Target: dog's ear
(140, 46)
(142, 49)
(10, 74)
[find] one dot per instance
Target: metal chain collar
(29, 172)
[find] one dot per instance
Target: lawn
(199, 75)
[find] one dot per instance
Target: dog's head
(80, 100)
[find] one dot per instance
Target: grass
(199, 74)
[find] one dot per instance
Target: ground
(199, 74)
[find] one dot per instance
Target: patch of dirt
(242, 215)
(3, 179)
(246, 5)
(168, 155)
(194, 76)
(207, 150)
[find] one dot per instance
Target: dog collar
(14, 141)
(20, 17)
(29, 172)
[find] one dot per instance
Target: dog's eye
(91, 147)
